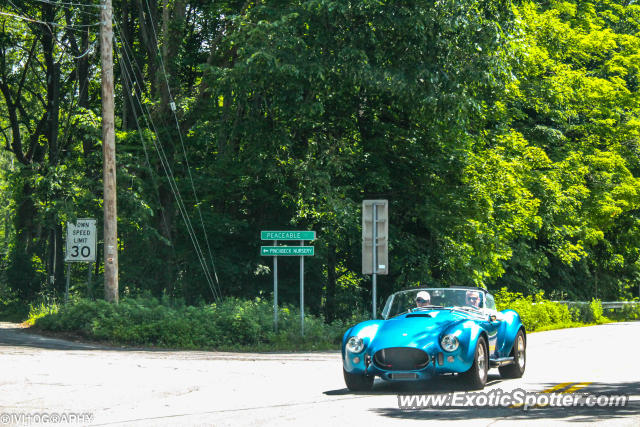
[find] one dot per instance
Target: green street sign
(286, 250)
(288, 235)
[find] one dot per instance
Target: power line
(81, 27)
(82, 55)
(60, 3)
(167, 169)
(70, 7)
(54, 38)
(184, 151)
(63, 46)
(54, 24)
(174, 188)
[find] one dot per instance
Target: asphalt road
(155, 388)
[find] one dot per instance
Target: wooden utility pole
(109, 156)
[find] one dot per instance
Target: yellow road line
(578, 386)
(551, 390)
(558, 387)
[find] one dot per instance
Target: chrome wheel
(482, 362)
(521, 354)
(476, 376)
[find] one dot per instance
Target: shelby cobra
(431, 331)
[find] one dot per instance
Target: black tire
(356, 382)
(476, 376)
(519, 353)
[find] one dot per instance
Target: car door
(493, 325)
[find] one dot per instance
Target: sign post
(66, 287)
(302, 292)
(374, 265)
(80, 246)
(275, 289)
(277, 251)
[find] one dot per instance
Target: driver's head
(473, 298)
(423, 299)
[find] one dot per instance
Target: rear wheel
(519, 354)
(357, 382)
(476, 376)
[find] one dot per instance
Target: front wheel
(519, 353)
(476, 376)
(357, 382)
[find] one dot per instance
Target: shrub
(41, 310)
(11, 308)
(536, 311)
(237, 324)
(627, 312)
(594, 312)
(230, 324)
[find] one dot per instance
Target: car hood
(421, 329)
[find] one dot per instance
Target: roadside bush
(39, 311)
(590, 312)
(627, 312)
(231, 324)
(237, 324)
(11, 309)
(536, 311)
(594, 312)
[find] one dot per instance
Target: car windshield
(418, 299)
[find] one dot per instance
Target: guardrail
(607, 305)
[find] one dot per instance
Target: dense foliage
(506, 136)
(231, 324)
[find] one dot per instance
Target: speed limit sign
(81, 241)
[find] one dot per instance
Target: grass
(556, 326)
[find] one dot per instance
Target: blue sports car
(431, 331)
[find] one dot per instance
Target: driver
(473, 299)
(423, 299)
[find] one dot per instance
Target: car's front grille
(401, 359)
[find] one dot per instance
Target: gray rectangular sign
(375, 222)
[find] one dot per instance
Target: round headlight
(449, 343)
(355, 345)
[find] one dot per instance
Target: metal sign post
(374, 267)
(302, 292)
(277, 251)
(275, 289)
(89, 278)
(66, 288)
